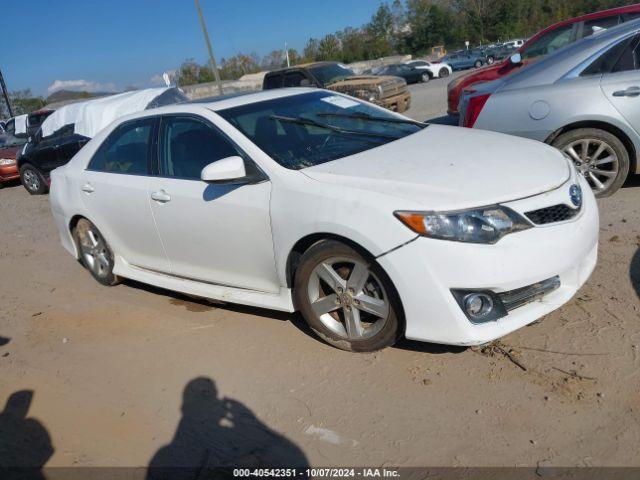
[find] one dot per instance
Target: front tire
(32, 180)
(95, 253)
(346, 298)
(490, 60)
(478, 64)
(443, 73)
(599, 156)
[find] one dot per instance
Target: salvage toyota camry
(370, 224)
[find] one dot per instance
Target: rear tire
(478, 64)
(490, 60)
(346, 298)
(426, 77)
(32, 180)
(95, 253)
(605, 162)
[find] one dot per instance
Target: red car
(9, 148)
(544, 42)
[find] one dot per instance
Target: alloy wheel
(31, 180)
(425, 77)
(95, 252)
(348, 299)
(596, 161)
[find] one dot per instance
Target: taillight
(475, 106)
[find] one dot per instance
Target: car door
(115, 191)
(216, 233)
(621, 85)
(44, 155)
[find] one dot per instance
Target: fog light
(478, 305)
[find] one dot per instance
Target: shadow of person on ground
(634, 272)
(216, 435)
(4, 341)
(25, 444)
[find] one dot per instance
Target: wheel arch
(306, 242)
(607, 127)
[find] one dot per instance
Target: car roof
(302, 65)
(244, 98)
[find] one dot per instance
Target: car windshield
(304, 130)
(331, 73)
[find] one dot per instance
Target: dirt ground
(132, 376)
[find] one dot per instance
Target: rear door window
(620, 58)
(127, 150)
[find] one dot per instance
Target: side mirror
(516, 58)
(227, 170)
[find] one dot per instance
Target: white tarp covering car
(21, 124)
(91, 116)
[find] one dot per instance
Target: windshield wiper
(332, 128)
(373, 118)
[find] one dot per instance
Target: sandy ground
(102, 372)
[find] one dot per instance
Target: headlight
(7, 161)
(481, 225)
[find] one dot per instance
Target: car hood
(445, 168)
(10, 152)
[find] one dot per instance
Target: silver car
(583, 99)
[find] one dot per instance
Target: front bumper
(425, 270)
(398, 103)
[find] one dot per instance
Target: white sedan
(435, 70)
(374, 226)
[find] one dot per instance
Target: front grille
(557, 213)
(521, 296)
(392, 87)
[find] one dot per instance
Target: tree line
(396, 27)
(411, 27)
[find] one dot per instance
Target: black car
(409, 73)
(43, 154)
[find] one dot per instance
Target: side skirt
(282, 301)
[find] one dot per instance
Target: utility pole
(5, 94)
(214, 65)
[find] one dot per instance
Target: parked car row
(582, 99)
(543, 43)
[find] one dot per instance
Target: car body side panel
(568, 102)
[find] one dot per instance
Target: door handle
(629, 92)
(161, 196)
(87, 188)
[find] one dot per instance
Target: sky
(107, 45)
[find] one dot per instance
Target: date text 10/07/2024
(317, 473)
